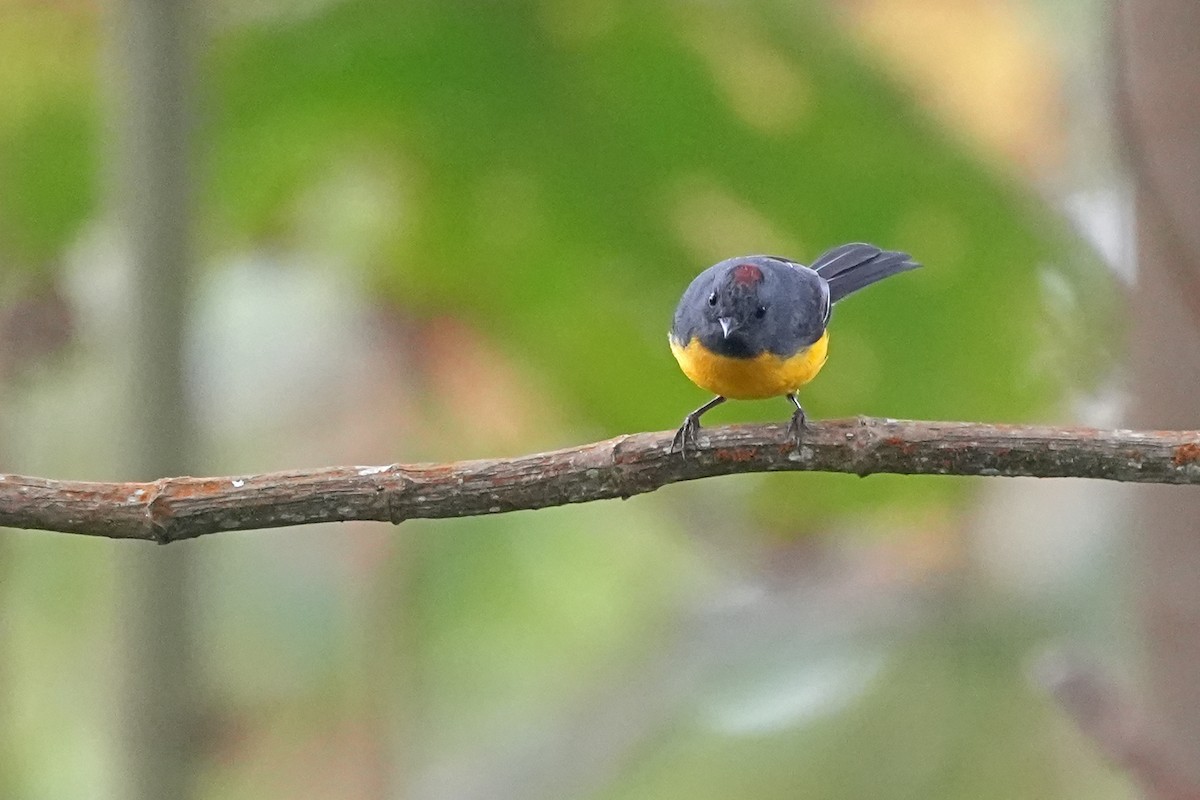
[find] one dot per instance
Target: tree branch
(170, 509)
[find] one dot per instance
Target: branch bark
(170, 509)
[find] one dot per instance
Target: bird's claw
(797, 427)
(688, 431)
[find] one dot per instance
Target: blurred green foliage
(49, 126)
(556, 173)
(48, 167)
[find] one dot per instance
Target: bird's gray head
(745, 306)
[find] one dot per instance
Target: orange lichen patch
(900, 444)
(199, 487)
(118, 493)
(432, 471)
(735, 454)
(1186, 454)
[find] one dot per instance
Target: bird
(754, 327)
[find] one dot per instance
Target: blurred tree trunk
(8, 769)
(1158, 47)
(152, 49)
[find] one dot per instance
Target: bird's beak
(728, 325)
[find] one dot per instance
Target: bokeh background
(246, 236)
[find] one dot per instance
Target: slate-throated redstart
(756, 326)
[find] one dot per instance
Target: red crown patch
(747, 274)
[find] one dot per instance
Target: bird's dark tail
(850, 267)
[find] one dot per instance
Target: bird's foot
(797, 427)
(687, 432)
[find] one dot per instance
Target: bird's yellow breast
(764, 375)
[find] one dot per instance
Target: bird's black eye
(712, 299)
(760, 312)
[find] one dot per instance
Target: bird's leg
(691, 426)
(799, 423)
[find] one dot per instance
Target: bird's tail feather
(851, 267)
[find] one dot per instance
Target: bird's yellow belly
(764, 375)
